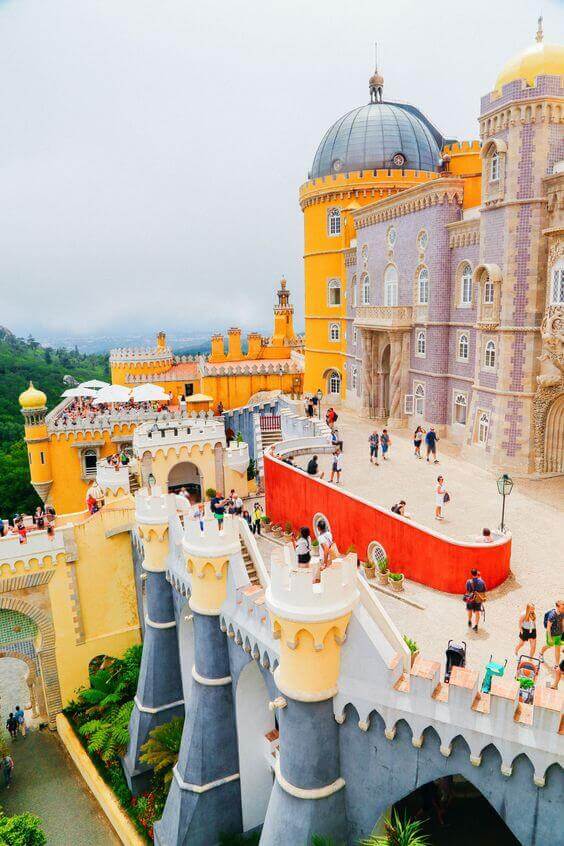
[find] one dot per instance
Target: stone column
(394, 418)
(367, 385)
(308, 796)
(204, 799)
(159, 695)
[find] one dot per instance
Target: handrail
(256, 557)
(383, 621)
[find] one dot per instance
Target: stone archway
(45, 653)
(32, 680)
(554, 437)
(185, 474)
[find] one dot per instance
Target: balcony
(384, 317)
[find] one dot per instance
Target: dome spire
(376, 81)
(540, 33)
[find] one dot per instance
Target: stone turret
(311, 622)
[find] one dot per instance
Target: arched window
(333, 222)
(366, 289)
(557, 288)
(483, 426)
(354, 292)
(494, 167)
(488, 289)
(423, 286)
(391, 286)
(463, 347)
(354, 378)
(334, 292)
(334, 332)
(466, 285)
(419, 394)
(421, 342)
(334, 383)
(460, 408)
(489, 358)
(89, 460)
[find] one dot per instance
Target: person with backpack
(553, 625)
(374, 443)
(7, 767)
(474, 598)
(431, 439)
(385, 443)
(20, 717)
(12, 725)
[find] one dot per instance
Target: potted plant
(287, 532)
(382, 574)
(413, 648)
(369, 567)
(277, 530)
(395, 581)
(265, 520)
(315, 547)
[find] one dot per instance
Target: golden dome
(538, 59)
(32, 398)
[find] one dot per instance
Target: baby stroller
(526, 674)
(455, 657)
(492, 669)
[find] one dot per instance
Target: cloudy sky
(151, 152)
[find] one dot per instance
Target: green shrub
(210, 493)
(162, 748)
(412, 644)
(21, 830)
(251, 470)
(395, 577)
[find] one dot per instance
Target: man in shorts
(373, 442)
(431, 439)
(336, 466)
(553, 620)
(474, 597)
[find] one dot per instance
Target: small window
(366, 289)
(466, 285)
(354, 378)
(391, 286)
(90, 460)
(334, 292)
(334, 332)
(460, 408)
(483, 426)
(42, 457)
(463, 347)
(392, 236)
(334, 383)
(408, 404)
(488, 291)
(354, 292)
(355, 336)
(423, 286)
(423, 240)
(557, 290)
(489, 358)
(494, 167)
(333, 222)
(421, 342)
(419, 395)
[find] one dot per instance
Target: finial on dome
(376, 81)
(540, 33)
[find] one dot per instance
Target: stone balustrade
(37, 547)
(99, 421)
(384, 317)
(237, 457)
(213, 541)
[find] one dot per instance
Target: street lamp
(504, 487)
(319, 398)
(151, 482)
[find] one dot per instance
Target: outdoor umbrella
(80, 391)
(94, 383)
(112, 393)
(149, 393)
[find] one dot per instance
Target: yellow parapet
(151, 514)
(207, 556)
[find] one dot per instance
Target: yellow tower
(283, 317)
(33, 405)
(375, 150)
(207, 556)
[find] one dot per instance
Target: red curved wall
(292, 496)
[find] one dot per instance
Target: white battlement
(294, 595)
(123, 354)
(112, 478)
(199, 428)
(237, 456)
(213, 542)
(37, 547)
(153, 508)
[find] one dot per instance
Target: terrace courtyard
(533, 515)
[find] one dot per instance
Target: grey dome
(368, 138)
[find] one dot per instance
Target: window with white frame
(488, 290)
(423, 286)
(421, 343)
(366, 289)
(89, 462)
(354, 378)
(419, 398)
(494, 167)
(466, 285)
(557, 288)
(354, 292)
(391, 286)
(460, 408)
(334, 383)
(333, 222)
(334, 332)
(483, 426)
(489, 355)
(463, 347)
(334, 292)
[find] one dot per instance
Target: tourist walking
(431, 439)
(257, 517)
(326, 544)
(385, 443)
(527, 629)
(374, 443)
(331, 417)
(441, 498)
(474, 598)
(198, 514)
(309, 407)
(303, 547)
(12, 726)
(7, 767)
(417, 439)
(335, 440)
(553, 625)
(20, 717)
(337, 466)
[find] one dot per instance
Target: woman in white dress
(440, 492)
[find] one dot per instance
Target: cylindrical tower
(311, 622)
(33, 405)
(205, 795)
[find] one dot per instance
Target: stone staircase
(134, 483)
(272, 436)
(249, 566)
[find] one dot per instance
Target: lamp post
(319, 398)
(151, 483)
(504, 487)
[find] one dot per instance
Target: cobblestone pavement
(46, 783)
(13, 687)
(533, 514)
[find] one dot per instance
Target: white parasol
(112, 393)
(149, 393)
(80, 391)
(94, 383)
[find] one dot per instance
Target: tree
(162, 748)
(399, 832)
(21, 830)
